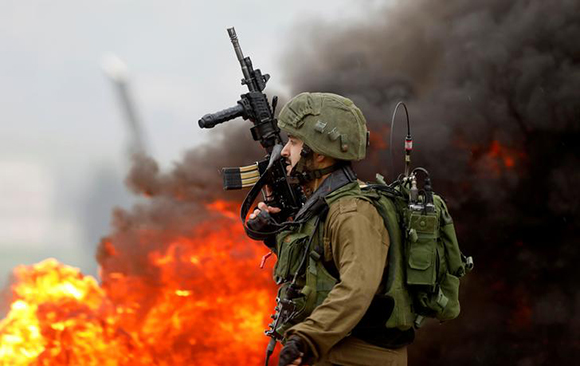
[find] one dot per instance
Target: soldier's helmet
(328, 123)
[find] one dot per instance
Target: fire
(493, 157)
(60, 316)
(208, 305)
(499, 158)
(505, 155)
(377, 138)
(228, 209)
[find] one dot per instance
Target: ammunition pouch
(300, 272)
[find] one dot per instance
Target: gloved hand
(261, 221)
(293, 352)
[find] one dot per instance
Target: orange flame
(497, 151)
(208, 306)
(377, 138)
(495, 157)
(60, 317)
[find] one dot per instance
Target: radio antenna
(408, 140)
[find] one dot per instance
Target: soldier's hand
(260, 221)
(263, 206)
(293, 351)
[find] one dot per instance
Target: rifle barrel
(239, 53)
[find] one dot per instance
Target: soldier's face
(291, 152)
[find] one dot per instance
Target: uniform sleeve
(358, 243)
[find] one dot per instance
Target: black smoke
(173, 204)
(493, 89)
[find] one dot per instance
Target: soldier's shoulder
(350, 205)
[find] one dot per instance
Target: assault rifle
(270, 171)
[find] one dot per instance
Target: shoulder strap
(247, 204)
(274, 227)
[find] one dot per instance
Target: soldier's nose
(285, 151)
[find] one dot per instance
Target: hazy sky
(62, 134)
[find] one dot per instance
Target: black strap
(247, 204)
(310, 175)
(302, 265)
(277, 227)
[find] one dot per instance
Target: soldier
(336, 259)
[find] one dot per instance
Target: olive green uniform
(356, 242)
(354, 245)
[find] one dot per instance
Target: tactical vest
(421, 276)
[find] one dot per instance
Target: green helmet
(329, 124)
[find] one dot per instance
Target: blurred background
(65, 138)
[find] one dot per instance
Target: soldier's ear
(323, 160)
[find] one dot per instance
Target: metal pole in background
(116, 71)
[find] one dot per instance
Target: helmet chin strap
(305, 175)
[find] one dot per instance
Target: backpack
(425, 262)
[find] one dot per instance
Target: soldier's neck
(313, 185)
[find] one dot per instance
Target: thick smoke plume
(493, 89)
(175, 202)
